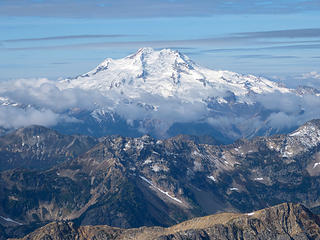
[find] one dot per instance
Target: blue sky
(55, 38)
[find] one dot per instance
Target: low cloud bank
(310, 79)
(289, 110)
(44, 93)
(42, 102)
(12, 117)
(54, 102)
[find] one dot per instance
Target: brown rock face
(133, 182)
(284, 221)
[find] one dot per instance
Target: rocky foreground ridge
(134, 182)
(284, 221)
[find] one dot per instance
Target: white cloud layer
(310, 79)
(42, 102)
(45, 94)
(12, 117)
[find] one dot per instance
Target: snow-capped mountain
(162, 93)
(168, 73)
(156, 89)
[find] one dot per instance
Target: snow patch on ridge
(10, 220)
(212, 178)
(316, 164)
(258, 179)
(303, 139)
(160, 190)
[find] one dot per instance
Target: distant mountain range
(134, 182)
(162, 93)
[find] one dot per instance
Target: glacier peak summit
(169, 73)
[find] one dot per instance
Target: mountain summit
(162, 93)
(155, 90)
(169, 73)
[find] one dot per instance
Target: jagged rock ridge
(39, 147)
(285, 221)
(132, 182)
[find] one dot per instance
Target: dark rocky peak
(289, 146)
(30, 132)
(312, 125)
(40, 147)
(204, 139)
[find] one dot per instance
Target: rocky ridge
(134, 182)
(39, 147)
(285, 221)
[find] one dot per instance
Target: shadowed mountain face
(133, 182)
(285, 221)
(39, 147)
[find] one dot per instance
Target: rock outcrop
(284, 221)
(40, 148)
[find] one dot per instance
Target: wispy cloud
(267, 40)
(262, 56)
(60, 63)
(154, 8)
(288, 33)
(283, 47)
(67, 37)
(161, 44)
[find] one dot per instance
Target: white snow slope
(168, 73)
